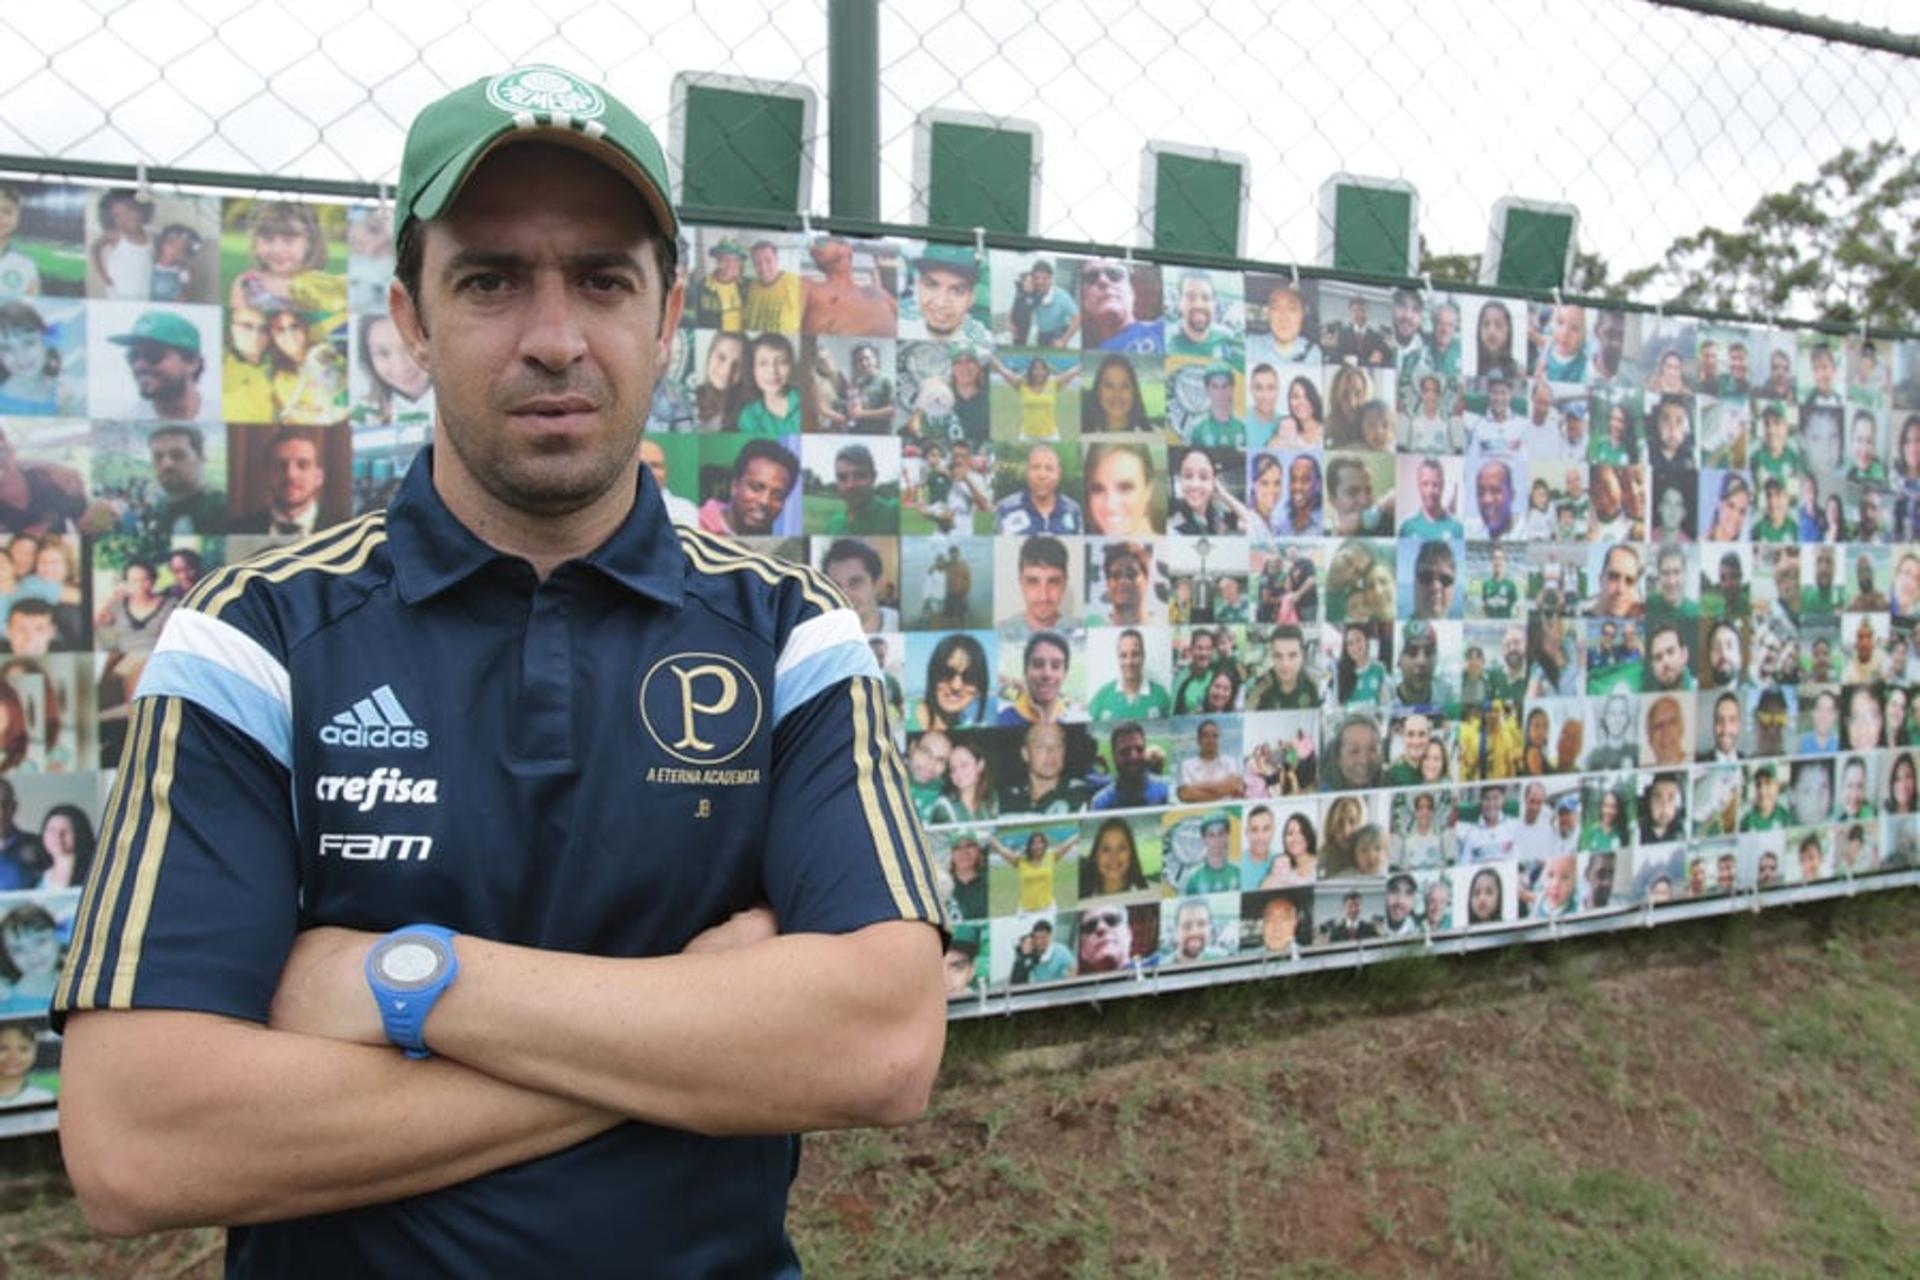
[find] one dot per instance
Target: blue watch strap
(405, 1002)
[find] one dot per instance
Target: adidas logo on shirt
(377, 720)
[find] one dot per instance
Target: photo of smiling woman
(1120, 490)
(1115, 402)
(1201, 502)
(955, 692)
(388, 385)
(1486, 895)
(1112, 866)
(1494, 341)
(772, 406)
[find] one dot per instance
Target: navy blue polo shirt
(391, 722)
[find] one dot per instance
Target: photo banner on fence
(1225, 614)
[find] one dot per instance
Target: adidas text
(377, 720)
(377, 736)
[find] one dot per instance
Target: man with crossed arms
(494, 885)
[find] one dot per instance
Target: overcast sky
(1652, 122)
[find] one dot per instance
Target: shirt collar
(433, 551)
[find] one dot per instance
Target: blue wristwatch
(408, 971)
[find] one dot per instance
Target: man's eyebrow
(504, 260)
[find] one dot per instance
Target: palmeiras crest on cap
(545, 90)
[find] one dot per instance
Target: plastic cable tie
(1293, 269)
(1426, 281)
(140, 178)
(1556, 297)
(806, 224)
(980, 241)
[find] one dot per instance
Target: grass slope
(1741, 1097)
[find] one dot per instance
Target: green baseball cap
(733, 247)
(950, 257)
(535, 102)
(164, 327)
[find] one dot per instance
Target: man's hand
(742, 929)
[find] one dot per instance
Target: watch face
(410, 963)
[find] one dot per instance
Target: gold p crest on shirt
(702, 709)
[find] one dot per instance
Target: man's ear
(408, 320)
(670, 310)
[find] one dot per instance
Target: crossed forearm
(803, 1031)
(173, 1119)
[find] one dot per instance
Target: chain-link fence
(1656, 121)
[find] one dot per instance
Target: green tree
(1839, 246)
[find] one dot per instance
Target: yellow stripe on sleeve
(84, 927)
(863, 757)
(914, 851)
(135, 783)
(147, 880)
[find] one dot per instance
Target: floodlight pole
(853, 107)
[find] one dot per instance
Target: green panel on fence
(1372, 227)
(744, 150)
(980, 177)
(1533, 250)
(1196, 205)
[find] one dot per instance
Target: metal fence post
(853, 96)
